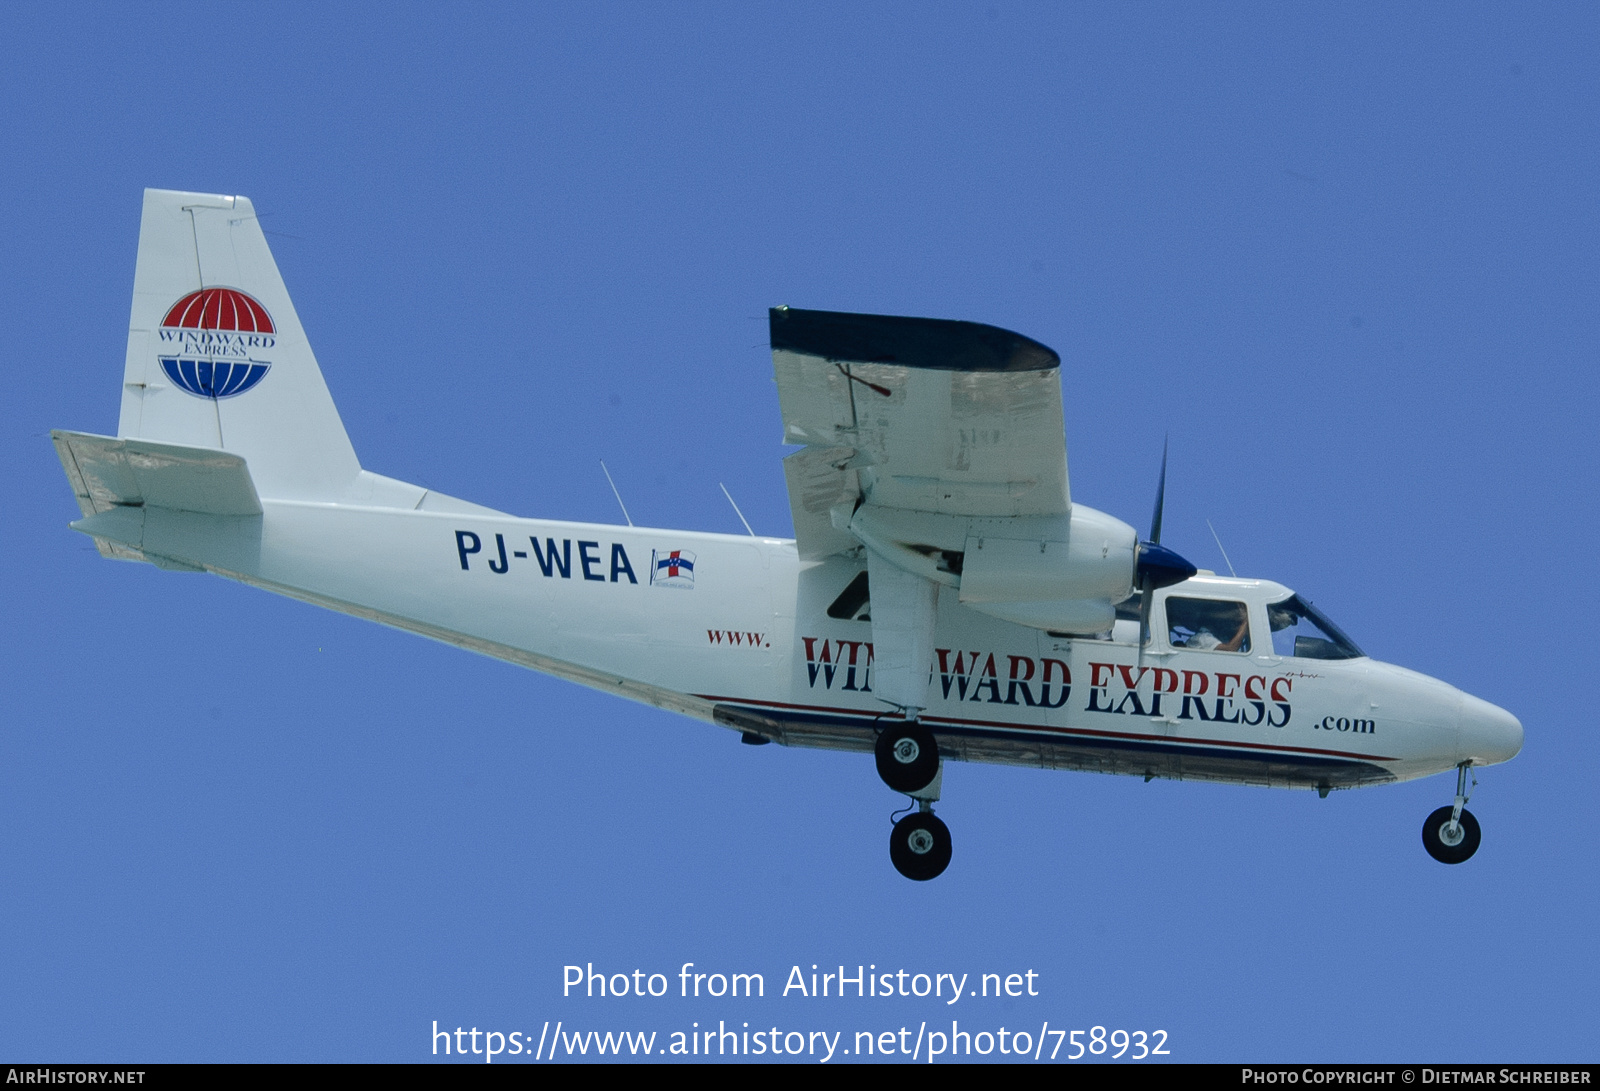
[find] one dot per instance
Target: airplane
(943, 598)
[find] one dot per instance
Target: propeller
(1156, 566)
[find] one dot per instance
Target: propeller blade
(1147, 596)
(1161, 496)
(1156, 566)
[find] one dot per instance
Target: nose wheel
(1448, 839)
(1450, 834)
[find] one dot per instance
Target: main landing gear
(908, 758)
(1451, 834)
(919, 846)
(908, 761)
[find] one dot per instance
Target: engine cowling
(1066, 577)
(1063, 574)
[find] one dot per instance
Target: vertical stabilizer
(216, 356)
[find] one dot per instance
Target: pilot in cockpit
(1208, 625)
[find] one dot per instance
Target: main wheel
(1447, 849)
(908, 758)
(919, 846)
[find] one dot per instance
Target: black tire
(908, 758)
(919, 846)
(1434, 832)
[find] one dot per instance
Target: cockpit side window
(1300, 629)
(1208, 625)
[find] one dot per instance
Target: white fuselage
(742, 635)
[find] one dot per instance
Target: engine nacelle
(1061, 573)
(1027, 572)
(1089, 556)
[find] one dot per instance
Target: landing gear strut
(1451, 834)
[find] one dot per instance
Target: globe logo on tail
(215, 338)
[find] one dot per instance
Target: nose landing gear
(1450, 834)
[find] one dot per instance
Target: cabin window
(1300, 629)
(1208, 625)
(853, 602)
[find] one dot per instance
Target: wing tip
(940, 344)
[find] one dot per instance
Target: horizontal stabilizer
(108, 473)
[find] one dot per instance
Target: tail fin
(216, 355)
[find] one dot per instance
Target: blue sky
(1344, 255)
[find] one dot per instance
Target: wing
(916, 415)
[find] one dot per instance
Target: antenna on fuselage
(736, 510)
(1224, 552)
(615, 493)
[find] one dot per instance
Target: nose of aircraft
(1488, 732)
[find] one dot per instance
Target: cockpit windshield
(1300, 629)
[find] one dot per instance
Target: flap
(107, 473)
(818, 482)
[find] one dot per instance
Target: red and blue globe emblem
(215, 336)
